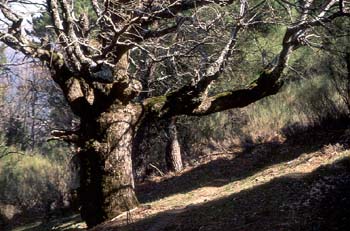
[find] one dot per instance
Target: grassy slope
(302, 184)
(299, 185)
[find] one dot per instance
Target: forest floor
(300, 184)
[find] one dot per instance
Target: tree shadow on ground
(243, 164)
(67, 222)
(316, 201)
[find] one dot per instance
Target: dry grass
(272, 197)
(288, 186)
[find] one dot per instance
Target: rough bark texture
(107, 183)
(173, 149)
(92, 68)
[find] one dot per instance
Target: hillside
(174, 115)
(300, 184)
(289, 186)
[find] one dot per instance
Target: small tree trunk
(347, 61)
(106, 176)
(173, 149)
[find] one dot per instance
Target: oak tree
(103, 61)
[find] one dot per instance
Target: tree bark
(106, 176)
(99, 86)
(173, 149)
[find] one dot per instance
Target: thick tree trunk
(106, 176)
(140, 152)
(173, 149)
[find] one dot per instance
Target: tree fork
(100, 88)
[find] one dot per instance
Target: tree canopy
(107, 55)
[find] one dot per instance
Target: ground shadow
(222, 171)
(67, 222)
(316, 201)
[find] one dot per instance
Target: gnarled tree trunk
(106, 176)
(92, 68)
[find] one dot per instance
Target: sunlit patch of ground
(271, 187)
(272, 194)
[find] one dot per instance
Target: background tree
(93, 64)
(32, 101)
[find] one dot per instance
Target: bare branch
(67, 136)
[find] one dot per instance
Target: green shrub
(33, 181)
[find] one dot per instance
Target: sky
(27, 11)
